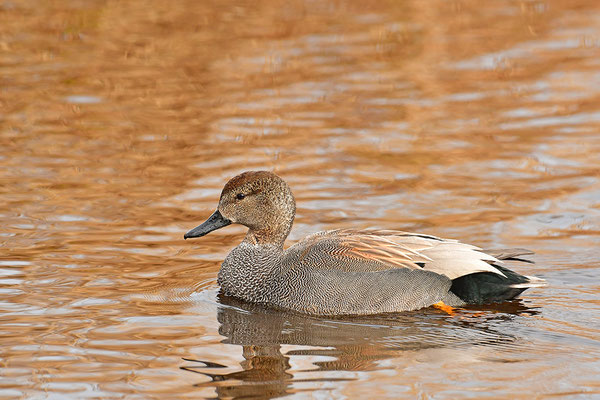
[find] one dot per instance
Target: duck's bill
(213, 223)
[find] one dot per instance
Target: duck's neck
(274, 234)
(250, 269)
(265, 238)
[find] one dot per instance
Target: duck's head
(260, 200)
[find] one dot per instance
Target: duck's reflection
(339, 344)
(263, 376)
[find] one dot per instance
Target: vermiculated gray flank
(348, 271)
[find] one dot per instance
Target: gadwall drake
(348, 271)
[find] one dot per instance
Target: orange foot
(445, 308)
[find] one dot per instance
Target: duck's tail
(486, 287)
(517, 254)
(532, 281)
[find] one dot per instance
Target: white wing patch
(457, 259)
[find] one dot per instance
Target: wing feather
(376, 250)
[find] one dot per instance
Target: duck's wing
(376, 250)
(359, 272)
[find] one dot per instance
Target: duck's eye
(240, 196)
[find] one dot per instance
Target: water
(121, 121)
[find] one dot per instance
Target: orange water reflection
(120, 122)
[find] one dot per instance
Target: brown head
(260, 200)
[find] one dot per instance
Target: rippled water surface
(121, 121)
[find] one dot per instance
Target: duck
(348, 271)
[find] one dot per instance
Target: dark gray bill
(213, 223)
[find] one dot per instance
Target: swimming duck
(348, 271)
